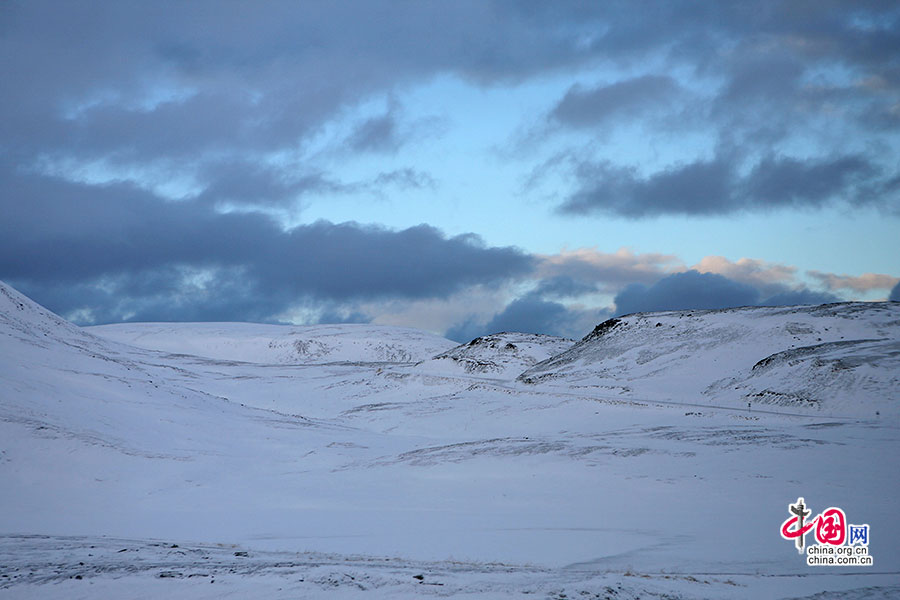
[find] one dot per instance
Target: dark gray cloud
(628, 98)
(895, 293)
(405, 178)
(687, 290)
(695, 290)
(538, 312)
(211, 92)
(787, 64)
(535, 312)
(716, 187)
(529, 314)
(756, 79)
(193, 84)
(381, 133)
(234, 97)
(695, 188)
(465, 331)
(785, 181)
(252, 77)
(331, 315)
(795, 297)
(166, 294)
(376, 134)
(563, 286)
(252, 184)
(184, 258)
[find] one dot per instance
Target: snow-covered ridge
(501, 355)
(23, 318)
(837, 357)
(281, 344)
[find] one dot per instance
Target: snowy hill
(139, 473)
(63, 383)
(501, 355)
(838, 358)
(281, 344)
(28, 322)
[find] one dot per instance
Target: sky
(462, 167)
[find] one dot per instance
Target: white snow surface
(835, 359)
(143, 473)
(281, 344)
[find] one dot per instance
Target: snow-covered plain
(228, 460)
(277, 344)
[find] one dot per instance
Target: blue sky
(451, 166)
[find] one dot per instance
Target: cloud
(776, 284)
(194, 92)
(245, 183)
(895, 293)
(564, 287)
(376, 134)
(465, 331)
(476, 304)
(586, 272)
(641, 283)
(537, 311)
(784, 181)
(330, 315)
(115, 236)
(110, 108)
(695, 290)
(702, 187)
(760, 73)
(607, 271)
(688, 290)
(184, 92)
(528, 314)
(765, 87)
(795, 297)
(861, 283)
(589, 107)
(381, 133)
(768, 278)
(715, 187)
(532, 314)
(250, 186)
(405, 178)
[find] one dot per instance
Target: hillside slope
(281, 344)
(838, 358)
(501, 355)
(61, 382)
